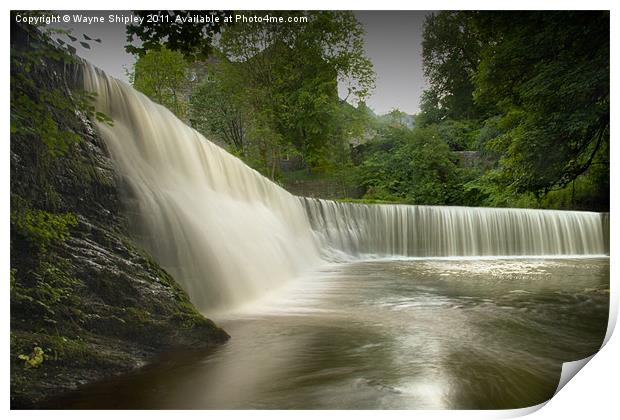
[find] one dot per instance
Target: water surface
(388, 334)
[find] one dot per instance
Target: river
(440, 333)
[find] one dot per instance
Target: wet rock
(94, 302)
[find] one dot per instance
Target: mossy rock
(82, 291)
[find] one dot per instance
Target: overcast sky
(393, 43)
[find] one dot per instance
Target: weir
(446, 231)
(224, 231)
(228, 234)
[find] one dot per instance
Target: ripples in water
(388, 334)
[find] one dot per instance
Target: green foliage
(284, 79)
(531, 91)
(451, 49)
(217, 112)
(490, 190)
(36, 108)
(271, 90)
(33, 118)
(71, 351)
(458, 134)
(586, 192)
(385, 166)
(555, 113)
(47, 292)
(398, 118)
(42, 228)
(34, 359)
(366, 200)
(170, 29)
(162, 76)
(413, 166)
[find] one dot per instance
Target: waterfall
(228, 234)
(442, 231)
(224, 231)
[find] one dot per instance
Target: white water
(224, 231)
(442, 231)
(228, 234)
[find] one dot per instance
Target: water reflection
(389, 334)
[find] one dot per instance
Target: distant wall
(323, 188)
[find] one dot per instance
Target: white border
(592, 394)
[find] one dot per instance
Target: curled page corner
(613, 315)
(569, 370)
(521, 412)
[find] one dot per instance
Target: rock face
(82, 293)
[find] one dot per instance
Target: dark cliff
(86, 303)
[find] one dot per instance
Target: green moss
(138, 315)
(76, 351)
(47, 295)
(55, 350)
(41, 228)
(188, 318)
(34, 359)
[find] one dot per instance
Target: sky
(392, 42)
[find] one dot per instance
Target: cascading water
(442, 231)
(228, 234)
(225, 232)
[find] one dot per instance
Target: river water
(388, 334)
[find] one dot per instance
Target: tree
(451, 49)
(459, 135)
(397, 117)
(414, 166)
(162, 76)
(528, 89)
(215, 112)
(171, 29)
(289, 78)
(553, 99)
